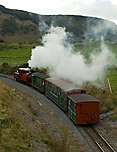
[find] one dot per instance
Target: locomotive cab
(23, 74)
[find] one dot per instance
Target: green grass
(15, 55)
(112, 75)
(14, 136)
(87, 48)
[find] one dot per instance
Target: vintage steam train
(80, 107)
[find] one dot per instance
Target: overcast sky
(99, 8)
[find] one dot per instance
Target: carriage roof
(40, 75)
(65, 85)
(83, 98)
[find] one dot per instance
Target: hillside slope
(24, 125)
(22, 26)
(18, 26)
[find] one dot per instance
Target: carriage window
(83, 91)
(71, 105)
(55, 90)
(62, 94)
(69, 102)
(43, 82)
(52, 88)
(59, 91)
(48, 86)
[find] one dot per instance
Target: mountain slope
(18, 26)
(22, 26)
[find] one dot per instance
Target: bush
(41, 70)
(5, 68)
(108, 100)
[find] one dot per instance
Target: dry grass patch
(25, 126)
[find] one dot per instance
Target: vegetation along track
(99, 140)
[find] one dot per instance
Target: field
(15, 54)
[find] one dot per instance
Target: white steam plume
(58, 56)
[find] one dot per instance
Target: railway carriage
(38, 81)
(83, 109)
(58, 90)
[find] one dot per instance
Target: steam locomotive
(80, 107)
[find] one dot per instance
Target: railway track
(6, 76)
(99, 140)
(105, 115)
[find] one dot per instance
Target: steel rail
(99, 140)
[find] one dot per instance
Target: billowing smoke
(101, 28)
(59, 57)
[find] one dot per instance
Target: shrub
(7, 69)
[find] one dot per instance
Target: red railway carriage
(83, 109)
(23, 74)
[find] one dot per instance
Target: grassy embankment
(24, 125)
